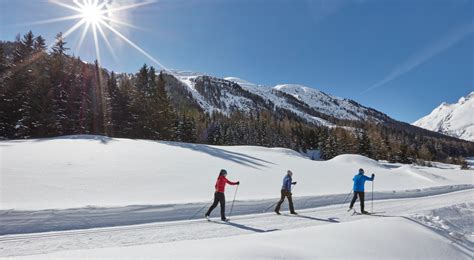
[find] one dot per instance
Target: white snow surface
(354, 240)
(268, 93)
(330, 105)
(455, 222)
(455, 120)
(84, 196)
(80, 171)
(392, 232)
(315, 99)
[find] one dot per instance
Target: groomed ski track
(328, 212)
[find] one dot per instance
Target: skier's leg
(290, 201)
(362, 198)
(222, 202)
(277, 209)
(214, 204)
(353, 199)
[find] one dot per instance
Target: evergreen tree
(40, 44)
(5, 98)
(116, 106)
(403, 153)
(59, 48)
(330, 147)
(20, 89)
(364, 146)
(60, 93)
(163, 111)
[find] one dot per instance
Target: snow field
(83, 171)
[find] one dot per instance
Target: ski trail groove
(33, 244)
(23, 222)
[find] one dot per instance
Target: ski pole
(200, 209)
(273, 205)
(346, 198)
(232, 207)
(275, 202)
(372, 196)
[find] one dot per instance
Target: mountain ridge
(451, 119)
(310, 104)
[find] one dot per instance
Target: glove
(373, 175)
(294, 183)
(238, 183)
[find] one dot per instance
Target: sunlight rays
(133, 44)
(54, 20)
(94, 16)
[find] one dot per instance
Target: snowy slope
(330, 105)
(97, 197)
(234, 94)
(272, 95)
(452, 119)
(80, 171)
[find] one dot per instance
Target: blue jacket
(287, 183)
(359, 182)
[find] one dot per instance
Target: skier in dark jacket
(219, 196)
(286, 192)
(359, 186)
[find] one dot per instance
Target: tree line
(46, 93)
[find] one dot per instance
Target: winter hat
(361, 170)
(289, 173)
(223, 172)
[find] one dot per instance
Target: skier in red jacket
(219, 196)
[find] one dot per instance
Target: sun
(92, 12)
(96, 17)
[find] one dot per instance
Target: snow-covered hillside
(101, 197)
(452, 119)
(234, 94)
(80, 171)
(338, 107)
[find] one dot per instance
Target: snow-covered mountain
(231, 94)
(452, 119)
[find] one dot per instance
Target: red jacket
(220, 184)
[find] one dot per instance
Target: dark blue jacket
(359, 182)
(287, 183)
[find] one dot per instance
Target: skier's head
(223, 173)
(361, 171)
(290, 173)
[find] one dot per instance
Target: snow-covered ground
(393, 232)
(81, 171)
(94, 196)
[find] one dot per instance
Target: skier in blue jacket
(286, 192)
(359, 183)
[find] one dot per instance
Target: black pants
(361, 195)
(285, 193)
(219, 197)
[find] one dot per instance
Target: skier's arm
(231, 183)
(370, 178)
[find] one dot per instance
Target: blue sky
(401, 57)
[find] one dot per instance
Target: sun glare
(97, 17)
(92, 13)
